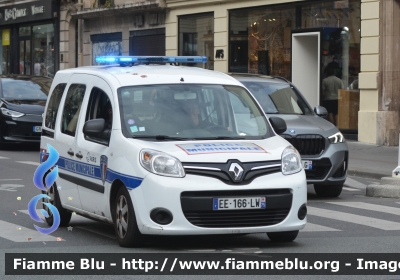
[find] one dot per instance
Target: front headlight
(291, 161)
(336, 138)
(161, 163)
(10, 113)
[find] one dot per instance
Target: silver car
(322, 147)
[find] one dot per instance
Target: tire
(328, 191)
(128, 235)
(285, 236)
(65, 216)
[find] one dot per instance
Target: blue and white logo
(103, 168)
(292, 131)
(49, 181)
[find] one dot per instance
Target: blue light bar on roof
(151, 59)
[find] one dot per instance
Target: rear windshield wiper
(159, 137)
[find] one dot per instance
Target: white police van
(169, 150)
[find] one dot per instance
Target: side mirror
(321, 111)
(95, 128)
(278, 124)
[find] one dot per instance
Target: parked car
(322, 147)
(22, 102)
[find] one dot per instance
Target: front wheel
(286, 236)
(65, 216)
(125, 224)
(328, 191)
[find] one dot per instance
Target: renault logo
(236, 171)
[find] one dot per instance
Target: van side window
(99, 107)
(54, 103)
(72, 107)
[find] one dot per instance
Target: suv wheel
(125, 224)
(286, 236)
(328, 191)
(65, 216)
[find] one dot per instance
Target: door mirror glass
(96, 129)
(278, 124)
(321, 111)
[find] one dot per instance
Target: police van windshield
(190, 111)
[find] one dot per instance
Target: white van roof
(155, 74)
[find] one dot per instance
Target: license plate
(307, 164)
(239, 203)
(37, 129)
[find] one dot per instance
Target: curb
(389, 191)
(364, 174)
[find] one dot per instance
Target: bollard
(396, 171)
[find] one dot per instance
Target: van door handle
(79, 155)
(70, 152)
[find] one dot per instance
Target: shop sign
(14, 13)
(5, 37)
(25, 12)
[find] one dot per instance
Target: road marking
(351, 189)
(203, 250)
(9, 231)
(38, 211)
(355, 219)
(369, 206)
(29, 162)
(10, 187)
(4, 158)
(313, 228)
(10, 179)
(354, 183)
(86, 228)
(76, 219)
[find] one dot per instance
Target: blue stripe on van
(93, 171)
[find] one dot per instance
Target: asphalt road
(351, 223)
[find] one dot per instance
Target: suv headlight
(336, 138)
(291, 161)
(10, 113)
(161, 163)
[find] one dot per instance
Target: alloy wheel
(122, 216)
(51, 194)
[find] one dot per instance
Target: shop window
(189, 43)
(43, 50)
(5, 51)
(106, 44)
(260, 42)
(196, 37)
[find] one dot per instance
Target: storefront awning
(132, 8)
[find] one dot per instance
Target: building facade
(91, 28)
(29, 33)
(301, 40)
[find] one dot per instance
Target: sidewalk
(371, 161)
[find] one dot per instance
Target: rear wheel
(328, 191)
(65, 216)
(285, 236)
(125, 224)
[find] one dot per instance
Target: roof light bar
(151, 59)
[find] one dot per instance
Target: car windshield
(190, 111)
(35, 89)
(278, 98)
